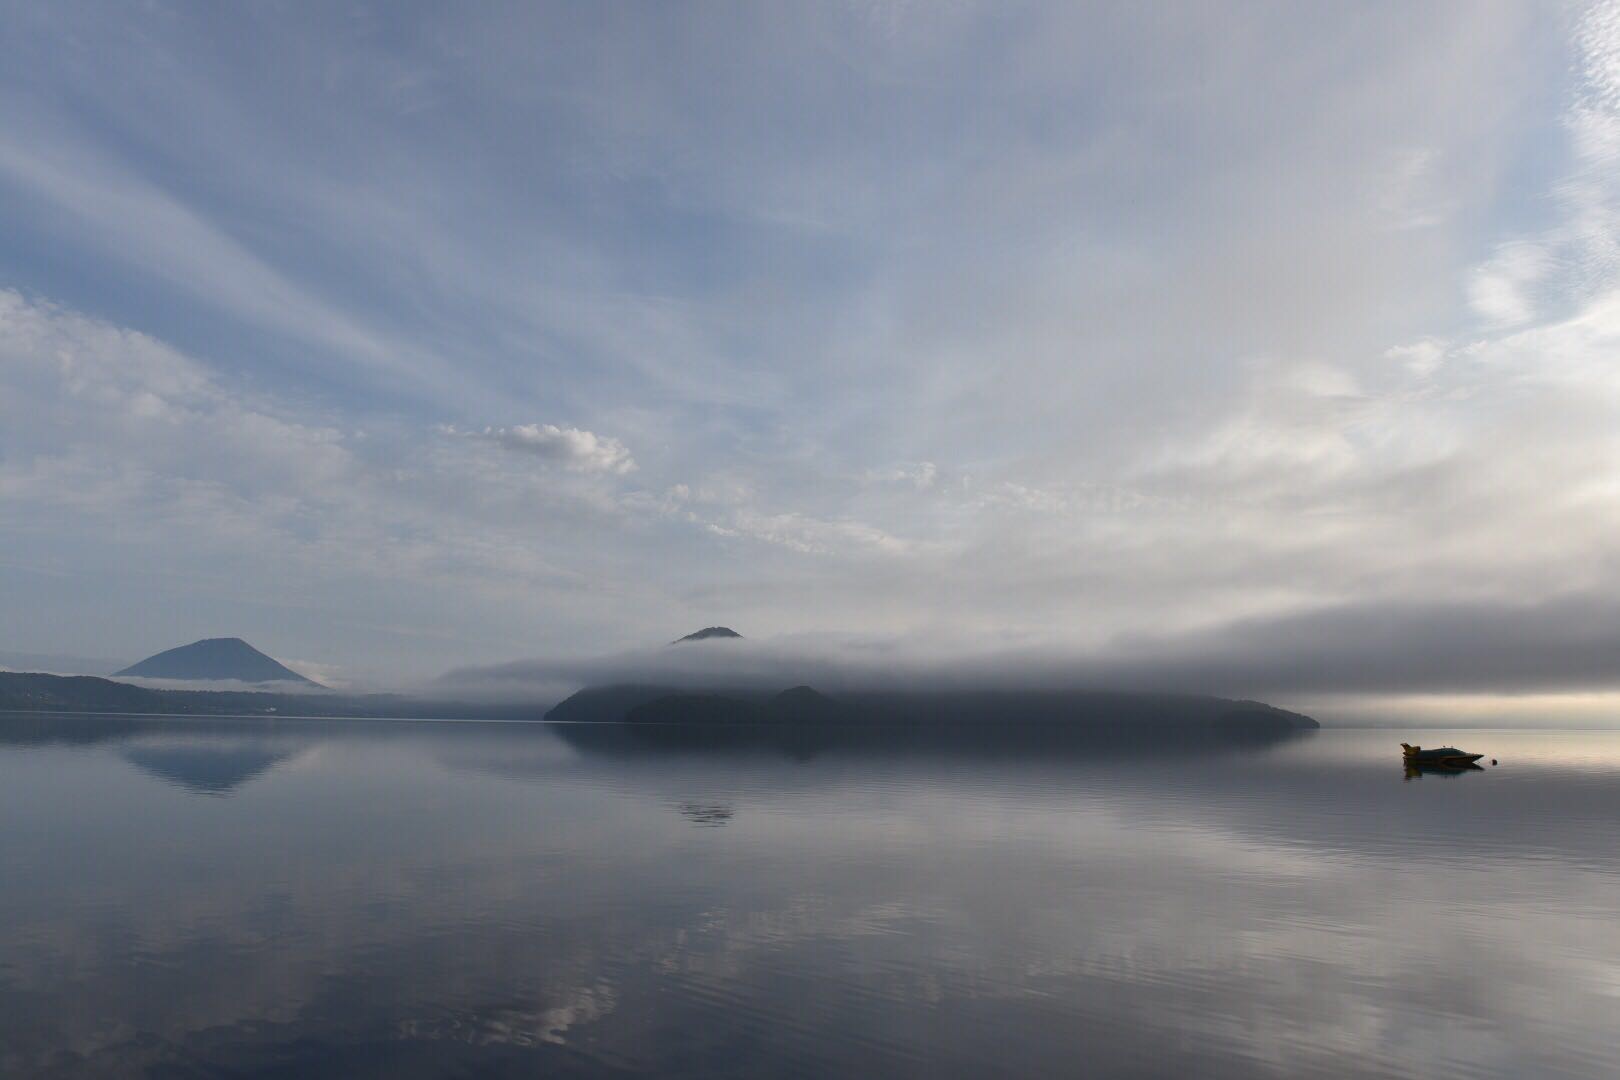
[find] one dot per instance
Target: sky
(1263, 347)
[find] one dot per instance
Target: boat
(1448, 756)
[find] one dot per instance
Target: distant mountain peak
(216, 659)
(709, 632)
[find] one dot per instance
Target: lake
(196, 898)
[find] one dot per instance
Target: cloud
(921, 475)
(331, 676)
(809, 535)
(1559, 643)
(1422, 358)
(230, 685)
(570, 447)
(1502, 290)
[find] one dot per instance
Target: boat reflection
(1413, 770)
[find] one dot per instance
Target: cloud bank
(1567, 644)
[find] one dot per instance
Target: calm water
(201, 898)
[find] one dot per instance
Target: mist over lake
(197, 897)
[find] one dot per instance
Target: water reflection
(217, 767)
(209, 757)
(708, 814)
(1414, 771)
(422, 900)
(1011, 740)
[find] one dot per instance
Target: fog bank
(1346, 655)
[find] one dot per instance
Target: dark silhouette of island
(708, 632)
(218, 660)
(698, 709)
(800, 705)
(32, 691)
(803, 705)
(641, 704)
(679, 725)
(38, 692)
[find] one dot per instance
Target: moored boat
(1444, 755)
